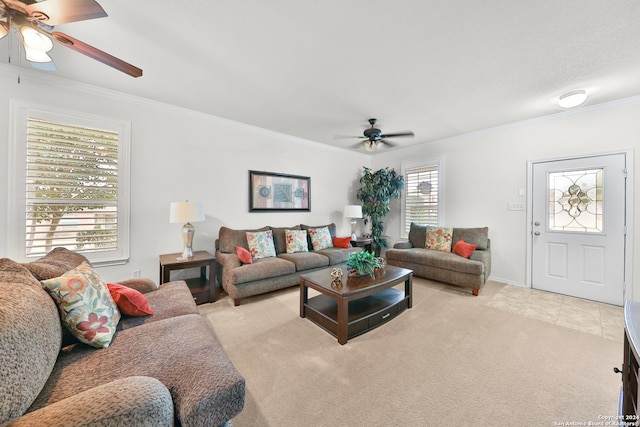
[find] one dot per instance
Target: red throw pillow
(129, 301)
(244, 255)
(342, 242)
(463, 248)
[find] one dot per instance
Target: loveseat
(445, 266)
(162, 369)
(241, 280)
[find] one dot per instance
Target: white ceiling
(317, 69)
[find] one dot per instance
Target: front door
(578, 225)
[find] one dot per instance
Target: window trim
(439, 163)
(16, 206)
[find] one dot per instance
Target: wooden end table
(359, 304)
(363, 242)
(202, 288)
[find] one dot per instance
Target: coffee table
(359, 304)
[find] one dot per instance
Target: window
(422, 201)
(70, 185)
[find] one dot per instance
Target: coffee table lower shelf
(364, 313)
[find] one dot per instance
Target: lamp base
(187, 235)
(353, 230)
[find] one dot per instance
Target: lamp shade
(353, 211)
(186, 212)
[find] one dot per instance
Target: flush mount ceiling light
(572, 99)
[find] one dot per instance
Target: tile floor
(587, 316)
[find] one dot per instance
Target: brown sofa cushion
(171, 299)
(306, 260)
(263, 268)
(30, 335)
(229, 239)
(476, 236)
(208, 392)
(55, 263)
(418, 235)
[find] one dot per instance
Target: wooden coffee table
(359, 304)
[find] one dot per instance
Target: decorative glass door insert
(575, 201)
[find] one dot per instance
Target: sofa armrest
(139, 284)
(227, 260)
(403, 245)
(140, 401)
(484, 256)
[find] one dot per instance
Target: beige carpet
(453, 359)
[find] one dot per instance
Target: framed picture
(278, 192)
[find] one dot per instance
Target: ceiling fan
(33, 23)
(374, 138)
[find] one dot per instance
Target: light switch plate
(515, 206)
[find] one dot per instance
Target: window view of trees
(72, 187)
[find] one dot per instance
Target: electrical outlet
(136, 274)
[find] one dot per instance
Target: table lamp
(354, 212)
(186, 212)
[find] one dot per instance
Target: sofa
(241, 280)
(445, 266)
(162, 369)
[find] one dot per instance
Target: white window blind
(422, 195)
(71, 188)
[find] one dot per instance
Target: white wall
(485, 170)
(178, 154)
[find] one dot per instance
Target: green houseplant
(377, 189)
(363, 263)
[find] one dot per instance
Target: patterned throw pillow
(320, 238)
(296, 241)
(439, 238)
(85, 304)
(261, 244)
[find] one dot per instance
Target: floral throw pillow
(85, 304)
(320, 238)
(296, 241)
(261, 244)
(439, 238)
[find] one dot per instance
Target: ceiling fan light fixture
(33, 39)
(572, 99)
(34, 55)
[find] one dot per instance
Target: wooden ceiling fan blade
(56, 12)
(97, 54)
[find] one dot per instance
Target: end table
(202, 288)
(363, 242)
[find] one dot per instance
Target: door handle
(536, 223)
(537, 233)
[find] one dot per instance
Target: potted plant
(375, 194)
(363, 263)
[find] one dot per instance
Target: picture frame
(269, 192)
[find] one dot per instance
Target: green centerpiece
(363, 263)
